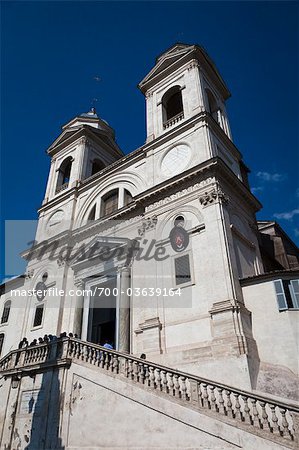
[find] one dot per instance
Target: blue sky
(51, 52)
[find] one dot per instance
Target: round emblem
(179, 239)
(41, 290)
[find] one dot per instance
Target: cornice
(214, 167)
(83, 131)
(269, 276)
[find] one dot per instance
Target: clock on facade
(176, 160)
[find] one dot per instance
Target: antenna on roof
(94, 101)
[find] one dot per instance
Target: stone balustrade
(258, 414)
(62, 187)
(173, 120)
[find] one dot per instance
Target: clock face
(176, 160)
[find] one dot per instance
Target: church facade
(159, 252)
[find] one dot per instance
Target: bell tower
(183, 83)
(84, 148)
(188, 134)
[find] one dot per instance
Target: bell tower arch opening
(172, 104)
(64, 174)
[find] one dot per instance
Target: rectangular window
(287, 294)
(1, 342)
(39, 311)
(182, 270)
(110, 204)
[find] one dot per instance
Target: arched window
(127, 197)
(1, 342)
(64, 174)
(92, 214)
(109, 203)
(96, 166)
(6, 311)
(172, 104)
(212, 105)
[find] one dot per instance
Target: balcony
(61, 188)
(173, 121)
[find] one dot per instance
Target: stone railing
(61, 188)
(257, 414)
(173, 120)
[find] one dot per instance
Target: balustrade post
(146, 375)
(213, 398)
(237, 412)
(205, 396)
(274, 419)
(158, 379)
(294, 431)
(176, 386)
(221, 407)
(183, 388)
(136, 371)
(255, 414)
(164, 381)
(229, 409)
(284, 428)
(141, 373)
(265, 419)
(246, 410)
(171, 384)
(152, 376)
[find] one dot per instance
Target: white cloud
(266, 176)
(287, 215)
(257, 189)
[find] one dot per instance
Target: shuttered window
(294, 288)
(182, 270)
(280, 295)
(38, 317)
(287, 294)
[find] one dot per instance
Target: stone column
(123, 309)
(78, 313)
(85, 317)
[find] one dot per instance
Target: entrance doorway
(102, 314)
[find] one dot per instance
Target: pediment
(168, 58)
(98, 249)
(66, 134)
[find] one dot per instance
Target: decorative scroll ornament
(29, 274)
(147, 224)
(61, 261)
(213, 196)
(79, 282)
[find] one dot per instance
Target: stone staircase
(272, 420)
